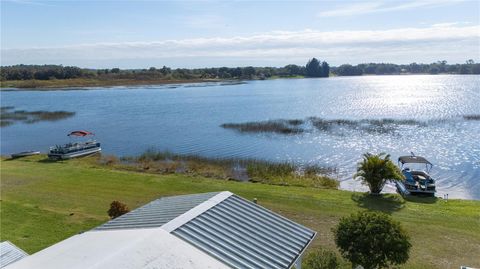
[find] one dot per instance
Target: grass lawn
(44, 202)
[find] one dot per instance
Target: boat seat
(409, 178)
(420, 177)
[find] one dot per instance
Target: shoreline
(166, 163)
(84, 84)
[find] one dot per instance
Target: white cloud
(441, 41)
(379, 6)
(448, 24)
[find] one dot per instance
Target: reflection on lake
(438, 116)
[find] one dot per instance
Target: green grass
(45, 202)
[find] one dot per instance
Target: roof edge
(196, 211)
(15, 246)
(303, 250)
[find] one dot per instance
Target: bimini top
(413, 159)
(80, 133)
(208, 230)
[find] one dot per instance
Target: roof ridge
(196, 211)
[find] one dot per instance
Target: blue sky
(138, 34)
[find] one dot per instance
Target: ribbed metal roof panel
(9, 253)
(245, 235)
(158, 212)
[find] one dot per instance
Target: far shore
(83, 83)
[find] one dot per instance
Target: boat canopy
(413, 159)
(80, 133)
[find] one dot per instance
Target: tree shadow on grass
(422, 199)
(48, 160)
(386, 203)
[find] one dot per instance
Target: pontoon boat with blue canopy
(416, 181)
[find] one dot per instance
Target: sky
(191, 34)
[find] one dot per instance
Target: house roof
(10, 253)
(245, 235)
(126, 249)
(209, 230)
(157, 212)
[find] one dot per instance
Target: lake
(187, 118)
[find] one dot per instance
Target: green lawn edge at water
(43, 203)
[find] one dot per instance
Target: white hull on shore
(24, 154)
(75, 154)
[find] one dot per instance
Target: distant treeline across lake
(313, 68)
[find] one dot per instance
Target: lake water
(187, 118)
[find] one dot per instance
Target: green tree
(349, 70)
(376, 170)
(465, 69)
(248, 72)
(372, 240)
(325, 70)
(313, 68)
(476, 69)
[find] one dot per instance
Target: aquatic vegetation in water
(367, 125)
(10, 116)
(270, 126)
(275, 173)
(297, 126)
(472, 117)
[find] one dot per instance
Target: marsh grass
(297, 126)
(74, 83)
(254, 170)
(270, 126)
(385, 125)
(472, 117)
(10, 116)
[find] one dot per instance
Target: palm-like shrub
(375, 170)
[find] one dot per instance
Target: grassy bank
(79, 83)
(44, 202)
(90, 82)
(260, 171)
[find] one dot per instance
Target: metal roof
(152, 248)
(208, 230)
(158, 212)
(245, 235)
(9, 253)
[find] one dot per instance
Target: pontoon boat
(416, 181)
(75, 149)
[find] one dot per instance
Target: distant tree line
(48, 72)
(313, 68)
(440, 67)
